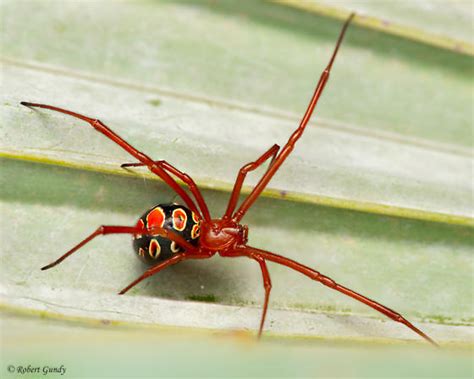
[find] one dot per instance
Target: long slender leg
(160, 266)
(145, 159)
(155, 269)
(109, 229)
(325, 280)
(267, 285)
(289, 146)
(185, 178)
(270, 153)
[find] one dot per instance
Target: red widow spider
(170, 233)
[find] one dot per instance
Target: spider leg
(183, 177)
(270, 153)
(145, 159)
(155, 269)
(110, 229)
(267, 285)
(289, 146)
(325, 280)
(160, 266)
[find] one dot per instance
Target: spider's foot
(47, 267)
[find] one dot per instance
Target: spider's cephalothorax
(173, 217)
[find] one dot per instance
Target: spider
(170, 233)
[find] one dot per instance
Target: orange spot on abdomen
(179, 219)
(156, 218)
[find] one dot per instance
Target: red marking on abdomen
(196, 231)
(140, 225)
(156, 218)
(154, 249)
(179, 219)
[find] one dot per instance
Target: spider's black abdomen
(153, 249)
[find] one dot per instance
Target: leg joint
(97, 124)
(326, 281)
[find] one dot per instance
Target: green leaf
(443, 24)
(377, 194)
(380, 83)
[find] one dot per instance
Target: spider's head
(219, 235)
